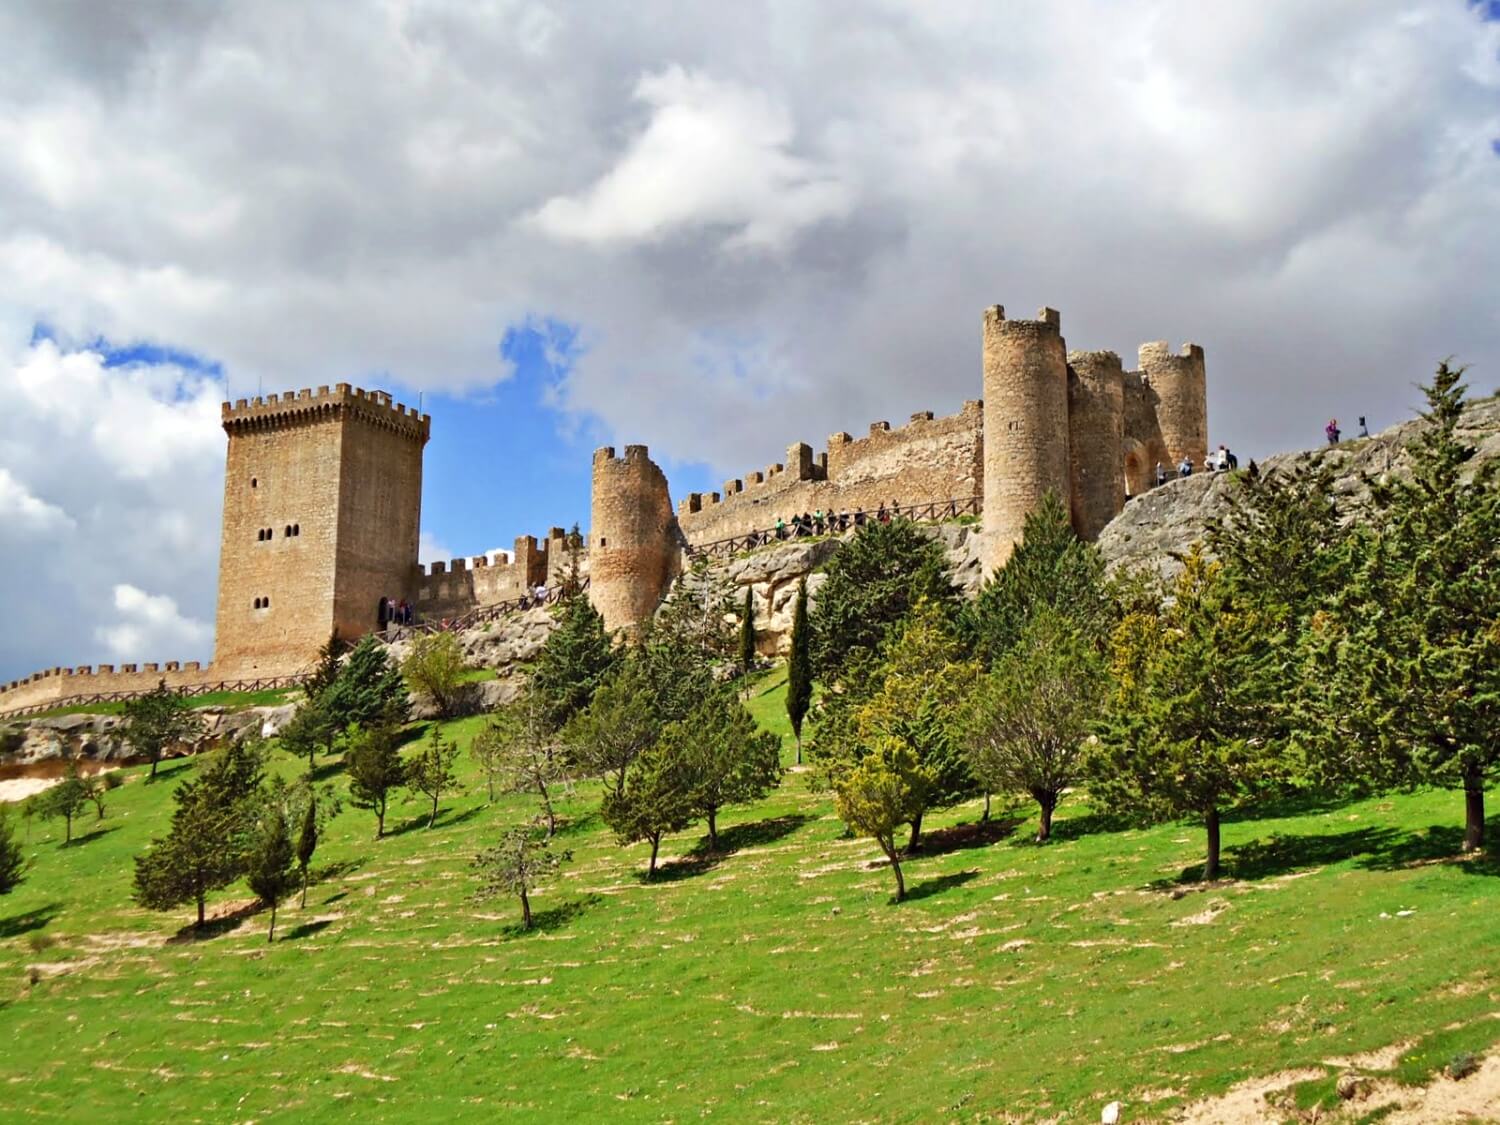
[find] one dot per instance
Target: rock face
(98, 737)
(1156, 528)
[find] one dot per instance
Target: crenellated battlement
(308, 405)
(1048, 322)
(61, 684)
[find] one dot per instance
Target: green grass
(774, 983)
(229, 700)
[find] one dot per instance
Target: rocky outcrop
(1155, 529)
(99, 738)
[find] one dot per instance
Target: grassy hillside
(773, 983)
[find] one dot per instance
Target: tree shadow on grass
(702, 857)
(1089, 824)
(333, 767)
(976, 834)
(306, 929)
(446, 819)
(1309, 802)
(215, 926)
(18, 924)
(929, 887)
(336, 870)
(554, 917)
(1439, 843)
(572, 825)
(93, 834)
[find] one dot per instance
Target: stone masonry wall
(1096, 439)
(635, 543)
(927, 459)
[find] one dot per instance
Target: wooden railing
(478, 616)
(836, 523)
(82, 699)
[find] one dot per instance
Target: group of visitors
(830, 522)
(1333, 433)
(1219, 461)
(396, 612)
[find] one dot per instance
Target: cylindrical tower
(1181, 392)
(1096, 439)
(633, 549)
(1025, 425)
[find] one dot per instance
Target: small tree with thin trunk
(12, 857)
(621, 723)
(884, 791)
(1027, 724)
(520, 753)
(651, 805)
(373, 763)
(270, 872)
(307, 842)
(431, 772)
(435, 667)
(66, 800)
(516, 865)
(799, 673)
(312, 728)
(157, 720)
(717, 757)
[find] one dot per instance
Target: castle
(322, 500)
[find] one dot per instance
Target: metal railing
(262, 683)
(836, 523)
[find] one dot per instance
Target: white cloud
(21, 513)
(148, 624)
(430, 550)
(714, 155)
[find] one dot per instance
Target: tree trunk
(154, 759)
(303, 905)
(799, 747)
(312, 756)
(380, 820)
(1211, 866)
(1049, 806)
(525, 911)
(1473, 808)
(984, 818)
(67, 828)
(200, 911)
(713, 830)
(547, 807)
(271, 933)
(431, 820)
(491, 779)
(655, 844)
(915, 841)
(896, 869)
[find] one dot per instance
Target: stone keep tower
(322, 496)
(634, 551)
(1181, 391)
(1026, 452)
(1096, 439)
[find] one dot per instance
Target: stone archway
(1138, 468)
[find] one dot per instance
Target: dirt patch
(1475, 1098)
(1245, 1103)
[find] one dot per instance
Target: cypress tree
(307, 841)
(12, 858)
(747, 633)
(799, 677)
(574, 661)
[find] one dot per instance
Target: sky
(713, 229)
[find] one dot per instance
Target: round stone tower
(1181, 392)
(1025, 425)
(1096, 439)
(633, 548)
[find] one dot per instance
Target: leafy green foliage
(515, 866)
(1027, 724)
(520, 752)
(575, 660)
(312, 727)
(269, 864)
(431, 772)
(12, 857)
(210, 834)
(716, 756)
(699, 612)
(373, 764)
(369, 688)
(307, 842)
(1050, 569)
(1184, 732)
(619, 725)
(326, 669)
(157, 720)
(435, 667)
(66, 800)
(881, 573)
(888, 788)
(799, 672)
(649, 805)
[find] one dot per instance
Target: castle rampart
(635, 542)
(1096, 439)
(1181, 399)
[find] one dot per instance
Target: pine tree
(887, 789)
(747, 633)
(326, 668)
(576, 659)
(519, 752)
(159, 719)
(717, 757)
(1412, 656)
(515, 866)
(1050, 569)
(368, 689)
(799, 677)
(66, 800)
(621, 723)
(269, 870)
(373, 764)
(649, 805)
(12, 857)
(311, 728)
(872, 583)
(307, 842)
(431, 772)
